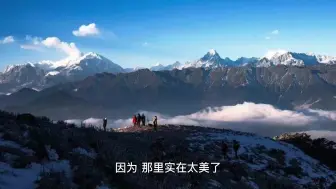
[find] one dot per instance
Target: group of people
(138, 120)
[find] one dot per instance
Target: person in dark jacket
(143, 119)
(155, 123)
(138, 120)
(105, 124)
(225, 150)
(236, 147)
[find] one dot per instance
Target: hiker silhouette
(105, 123)
(138, 119)
(225, 150)
(143, 119)
(155, 123)
(236, 147)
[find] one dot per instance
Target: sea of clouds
(262, 119)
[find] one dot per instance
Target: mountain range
(180, 92)
(92, 85)
(213, 60)
(41, 75)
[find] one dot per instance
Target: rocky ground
(37, 153)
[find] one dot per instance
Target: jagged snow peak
(67, 69)
(11, 67)
(212, 52)
(158, 64)
(325, 59)
(76, 60)
(69, 61)
(274, 53)
(284, 57)
(159, 67)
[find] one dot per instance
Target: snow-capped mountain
(325, 59)
(175, 65)
(210, 60)
(242, 61)
(160, 67)
(89, 63)
(46, 73)
(127, 70)
(282, 57)
(16, 77)
(272, 58)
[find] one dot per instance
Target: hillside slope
(186, 91)
(38, 153)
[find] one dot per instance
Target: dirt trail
(134, 129)
(160, 128)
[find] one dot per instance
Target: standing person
(155, 123)
(105, 123)
(225, 149)
(134, 120)
(143, 118)
(138, 119)
(236, 147)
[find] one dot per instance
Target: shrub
(87, 177)
(53, 180)
(316, 148)
(23, 161)
(293, 170)
(333, 185)
(26, 118)
(277, 154)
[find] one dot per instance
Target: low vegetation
(65, 156)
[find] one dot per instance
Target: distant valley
(180, 91)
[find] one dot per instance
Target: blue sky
(144, 32)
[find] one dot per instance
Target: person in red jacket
(134, 121)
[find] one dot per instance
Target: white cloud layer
(33, 40)
(38, 44)
(275, 32)
(31, 47)
(86, 30)
(8, 39)
(263, 119)
(69, 48)
(33, 43)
